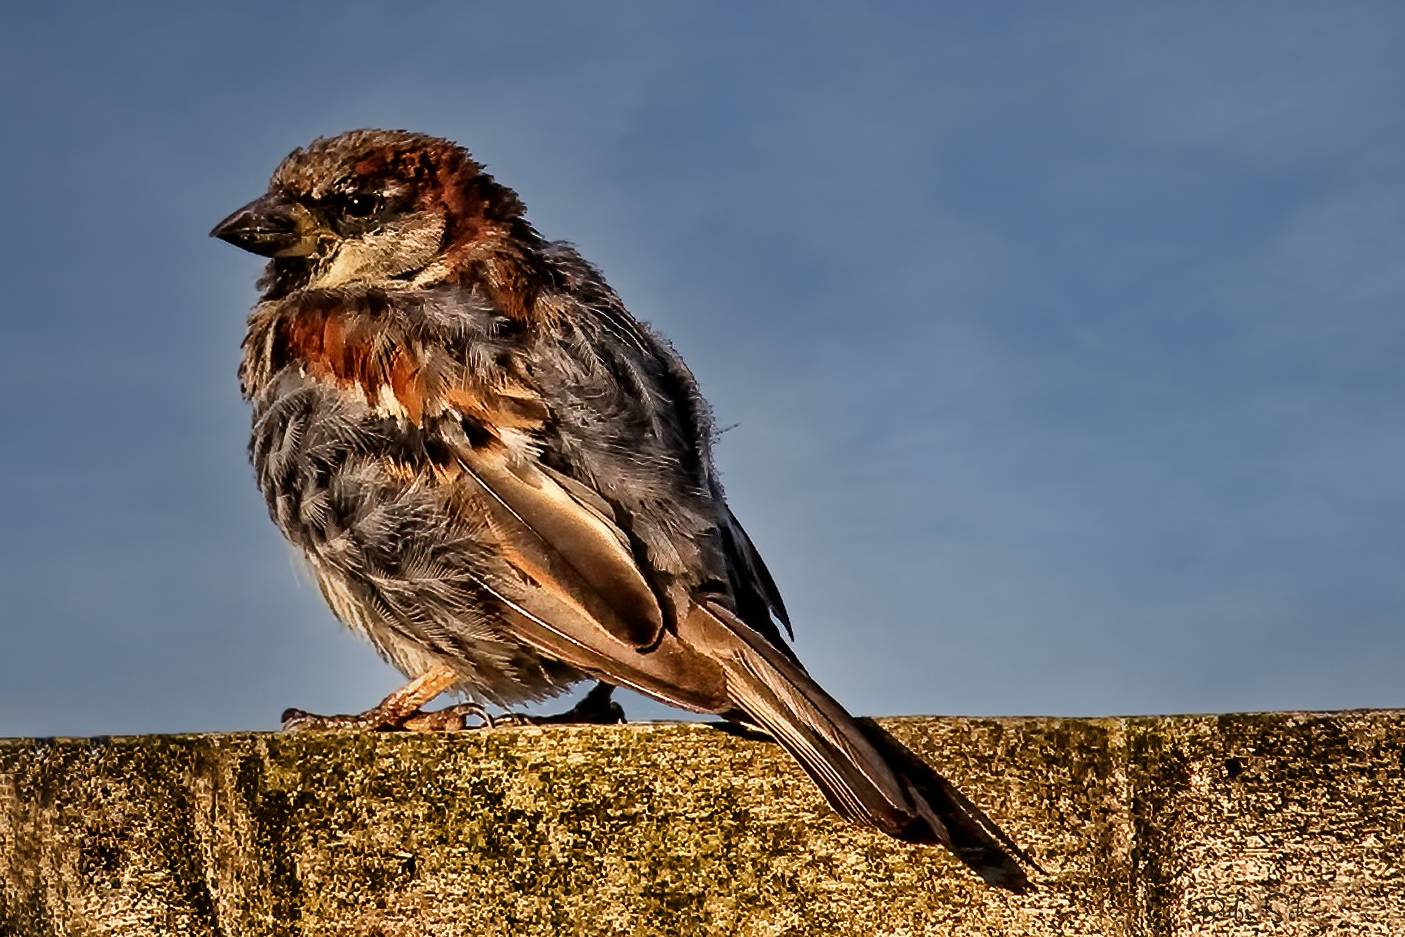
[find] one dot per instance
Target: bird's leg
(596, 708)
(400, 710)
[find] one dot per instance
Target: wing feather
(556, 538)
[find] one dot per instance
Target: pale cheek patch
(398, 248)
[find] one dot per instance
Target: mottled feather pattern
(605, 421)
(382, 547)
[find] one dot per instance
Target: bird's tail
(867, 775)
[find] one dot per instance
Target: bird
(505, 482)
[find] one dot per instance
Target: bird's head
(378, 208)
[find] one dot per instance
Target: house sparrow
(504, 481)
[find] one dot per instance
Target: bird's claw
(448, 719)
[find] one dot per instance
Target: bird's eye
(361, 206)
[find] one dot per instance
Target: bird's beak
(272, 226)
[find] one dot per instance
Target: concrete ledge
(1279, 823)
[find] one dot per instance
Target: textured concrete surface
(1278, 823)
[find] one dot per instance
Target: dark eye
(361, 206)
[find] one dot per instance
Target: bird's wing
(561, 539)
(579, 596)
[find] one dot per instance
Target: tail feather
(867, 775)
(970, 834)
(860, 787)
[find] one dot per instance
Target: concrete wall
(1278, 823)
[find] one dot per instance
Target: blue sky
(1061, 342)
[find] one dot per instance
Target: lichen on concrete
(1279, 823)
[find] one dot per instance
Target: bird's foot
(400, 712)
(449, 719)
(596, 708)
